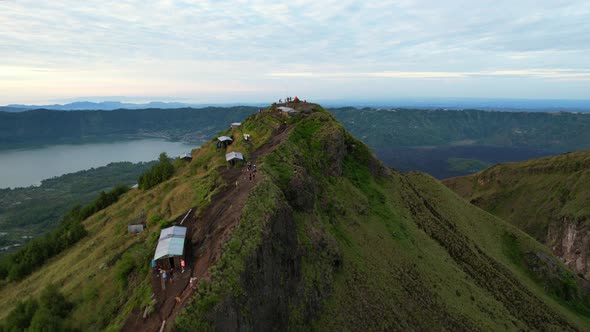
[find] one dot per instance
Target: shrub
(159, 173)
(45, 314)
(70, 231)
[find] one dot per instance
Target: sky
(252, 51)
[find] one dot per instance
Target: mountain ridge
(327, 238)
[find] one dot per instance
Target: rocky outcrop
(570, 239)
(269, 282)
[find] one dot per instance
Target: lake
(26, 167)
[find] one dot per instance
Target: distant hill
(323, 238)
(44, 127)
(549, 198)
(493, 104)
(416, 127)
(442, 143)
(110, 106)
(87, 106)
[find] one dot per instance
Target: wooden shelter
(186, 156)
(170, 249)
(234, 157)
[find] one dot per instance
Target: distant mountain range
(499, 104)
(104, 106)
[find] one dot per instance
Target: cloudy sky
(231, 51)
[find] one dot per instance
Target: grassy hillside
(549, 198)
(532, 194)
(325, 238)
(31, 211)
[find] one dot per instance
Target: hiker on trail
(164, 280)
(182, 265)
(250, 176)
(171, 276)
(254, 168)
(193, 282)
(236, 183)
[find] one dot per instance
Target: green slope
(31, 211)
(378, 250)
(532, 194)
(548, 198)
(328, 239)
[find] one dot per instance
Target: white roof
(236, 124)
(234, 155)
(224, 138)
(174, 231)
(185, 155)
(171, 242)
(135, 228)
(286, 109)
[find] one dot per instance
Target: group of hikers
(291, 100)
(167, 274)
(251, 169)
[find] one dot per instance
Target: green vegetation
(47, 314)
(159, 173)
(414, 127)
(466, 165)
(43, 127)
(262, 203)
(32, 211)
(373, 246)
(532, 195)
(33, 255)
(328, 239)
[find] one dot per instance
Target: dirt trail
(208, 232)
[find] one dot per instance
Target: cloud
(176, 43)
(563, 74)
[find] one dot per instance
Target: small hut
(135, 229)
(246, 137)
(170, 249)
(235, 124)
(224, 141)
(186, 156)
(234, 157)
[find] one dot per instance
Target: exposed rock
(570, 239)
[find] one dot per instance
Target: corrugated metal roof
(174, 231)
(135, 228)
(224, 138)
(234, 155)
(170, 247)
(171, 242)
